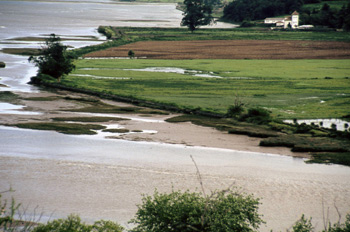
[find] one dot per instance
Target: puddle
(7, 108)
(189, 72)
(182, 71)
(326, 123)
(100, 77)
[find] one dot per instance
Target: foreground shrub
(305, 225)
(74, 223)
(185, 212)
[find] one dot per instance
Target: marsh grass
(228, 34)
(41, 98)
(272, 84)
(64, 128)
(101, 107)
(8, 96)
(88, 119)
(22, 51)
(117, 130)
(337, 158)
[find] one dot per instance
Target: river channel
(97, 178)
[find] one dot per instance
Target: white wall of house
(293, 20)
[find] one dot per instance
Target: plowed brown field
(231, 49)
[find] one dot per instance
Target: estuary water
(99, 178)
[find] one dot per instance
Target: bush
(303, 225)
(185, 212)
(257, 115)
(234, 110)
(74, 223)
(247, 24)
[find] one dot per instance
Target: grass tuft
(64, 128)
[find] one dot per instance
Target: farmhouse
(285, 22)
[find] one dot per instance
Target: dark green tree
(55, 60)
(197, 13)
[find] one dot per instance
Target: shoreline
(184, 133)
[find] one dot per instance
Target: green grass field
(302, 89)
(230, 34)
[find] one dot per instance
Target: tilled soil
(231, 49)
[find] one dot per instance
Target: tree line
(328, 17)
(250, 10)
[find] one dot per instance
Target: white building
(292, 20)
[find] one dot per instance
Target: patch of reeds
(88, 119)
(8, 96)
(121, 131)
(331, 158)
(22, 51)
(64, 128)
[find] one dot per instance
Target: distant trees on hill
(250, 10)
(328, 17)
(241, 10)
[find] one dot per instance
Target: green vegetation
(73, 223)
(8, 96)
(22, 51)
(65, 128)
(2, 64)
(330, 14)
(184, 211)
(134, 34)
(117, 130)
(317, 5)
(272, 84)
(88, 119)
(331, 158)
(240, 10)
(100, 107)
(305, 225)
(197, 13)
(54, 61)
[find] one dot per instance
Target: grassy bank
(318, 89)
(174, 34)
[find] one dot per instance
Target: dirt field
(231, 49)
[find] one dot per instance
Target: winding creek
(96, 178)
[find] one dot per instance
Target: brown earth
(231, 49)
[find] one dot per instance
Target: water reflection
(326, 123)
(7, 108)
